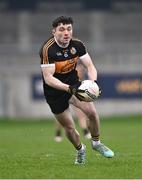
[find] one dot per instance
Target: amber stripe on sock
(79, 147)
(95, 138)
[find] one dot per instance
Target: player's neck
(61, 44)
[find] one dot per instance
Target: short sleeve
(81, 49)
(45, 52)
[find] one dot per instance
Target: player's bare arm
(51, 80)
(91, 70)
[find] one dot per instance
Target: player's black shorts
(58, 100)
(60, 104)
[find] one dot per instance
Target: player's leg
(83, 122)
(66, 120)
(89, 109)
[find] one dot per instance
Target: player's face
(63, 34)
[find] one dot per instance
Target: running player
(59, 56)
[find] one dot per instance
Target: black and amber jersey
(65, 60)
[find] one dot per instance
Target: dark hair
(62, 19)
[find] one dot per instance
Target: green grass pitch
(28, 150)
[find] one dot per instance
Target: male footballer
(59, 57)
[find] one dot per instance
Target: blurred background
(111, 31)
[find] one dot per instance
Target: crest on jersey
(73, 50)
(65, 54)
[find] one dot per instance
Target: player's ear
(53, 31)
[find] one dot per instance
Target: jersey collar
(60, 44)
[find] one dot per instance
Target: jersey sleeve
(45, 53)
(81, 48)
(43, 56)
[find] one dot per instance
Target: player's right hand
(73, 89)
